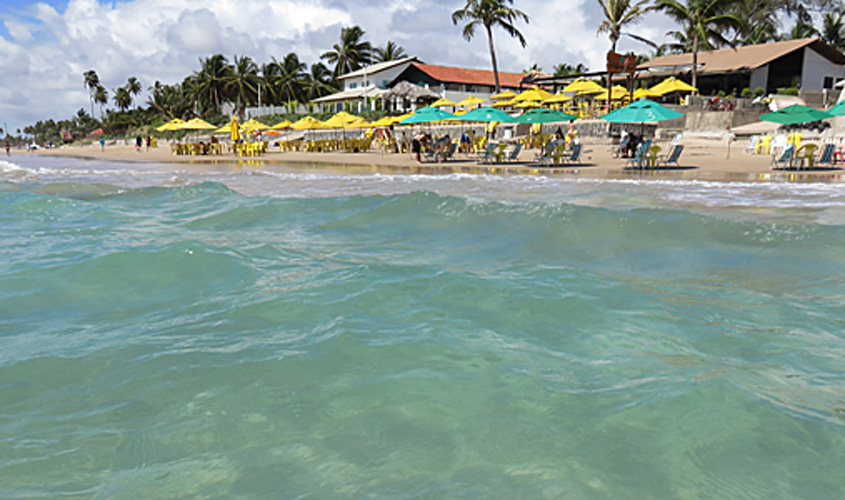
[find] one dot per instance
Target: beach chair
(672, 157)
(514, 153)
(827, 155)
(806, 153)
(784, 159)
(751, 145)
(554, 153)
(545, 154)
(487, 155)
(574, 156)
(449, 153)
(639, 159)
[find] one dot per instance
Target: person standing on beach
(102, 143)
(138, 142)
(8, 147)
(148, 140)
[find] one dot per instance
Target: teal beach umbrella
(796, 113)
(837, 109)
(486, 114)
(642, 111)
(427, 114)
(544, 115)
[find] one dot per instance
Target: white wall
(379, 79)
(815, 68)
(759, 77)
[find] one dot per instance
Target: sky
(46, 46)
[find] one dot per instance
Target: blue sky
(45, 46)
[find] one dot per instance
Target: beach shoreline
(703, 160)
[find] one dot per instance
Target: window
(828, 82)
(353, 85)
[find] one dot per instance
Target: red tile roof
(449, 74)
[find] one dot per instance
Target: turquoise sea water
(272, 332)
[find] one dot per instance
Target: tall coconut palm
(92, 80)
(286, 78)
(122, 98)
(318, 82)
(242, 82)
(390, 52)
(210, 82)
(490, 13)
(703, 20)
(617, 15)
(351, 53)
(101, 97)
(133, 86)
(833, 31)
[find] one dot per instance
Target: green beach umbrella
(837, 109)
(544, 115)
(427, 114)
(796, 113)
(642, 111)
(486, 114)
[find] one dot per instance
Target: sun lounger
(784, 159)
(672, 157)
(639, 159)
(514, 153)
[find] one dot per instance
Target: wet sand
(701, 160)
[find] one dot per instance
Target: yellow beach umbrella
(341, 119)
(471, 100)
(672, 84)
(282, 124)
(504, 104)
(253, 125)
(640, 93)
(616, 92)
(358, 123)
(171, 125)
(507, 94)
(443, 102)
(533, 94)
(582, 84)
(400, 118)
(528, 104)
(557, 99)
(196, 124)
(309, 122)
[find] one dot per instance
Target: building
(361, 87)
(809, 64)
(458, 83)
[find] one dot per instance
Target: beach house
(362, 88)
(456, 83)
(808, 64)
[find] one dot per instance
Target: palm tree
(209, 83)
(242, 82)
(564, 69)
(390, 52)
(833, 31)
(101, 97)
(761, 24)
(122, 98)
(91, 82)
(286, 78)
(318, 82)
(351, 53)
(133, 86)
(704, 21)
(803, 25)
(617, 15)
(490, 13)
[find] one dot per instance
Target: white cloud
(47, 50)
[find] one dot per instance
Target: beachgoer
(138, 142)
(148, 141)
(416, 146)
(8, 147)
(102, 143)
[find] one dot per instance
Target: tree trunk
(493, 57)
(695, 60)
(610, 75)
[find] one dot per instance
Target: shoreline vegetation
(703, 160)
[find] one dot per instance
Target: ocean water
(257, 331)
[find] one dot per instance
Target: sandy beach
(701, 160)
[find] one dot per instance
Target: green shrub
(759, 91)
(721, 93)
(788, 91)
(746, 93)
